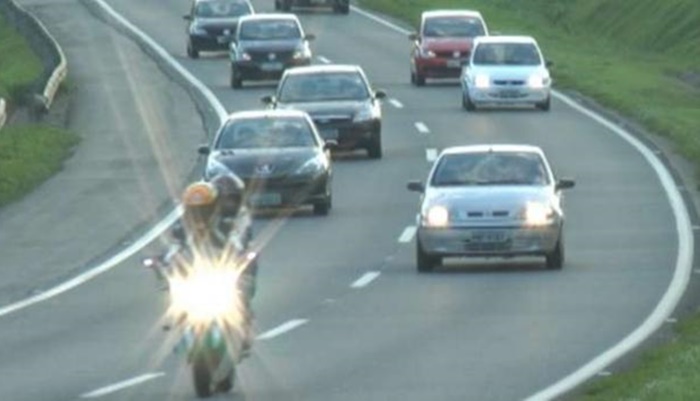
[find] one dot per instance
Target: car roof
(266, 113)
(312, 69)
(269, 16)
(227, 1)
(451, 13)
(505, 148)
(505, 39)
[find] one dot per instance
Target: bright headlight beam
(482, 81)
(537, 214)
(438, 216)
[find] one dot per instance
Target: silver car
(490, 200)
(506, 70)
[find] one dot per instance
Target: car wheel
(286, 6)
(277, 5)
(467, 103)
(424, 261)
(555, 259)
(374, 150)
(192, 52)
(342, 8)
(546, 105)
(419, 79)
(322, 208)
(236, 78)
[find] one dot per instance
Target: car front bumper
(508, 95)
(267, 70)
(210, 42)
(491, 241)
(349, 134)
(439, 67)
(294, 191)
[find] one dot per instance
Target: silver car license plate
(489, 237)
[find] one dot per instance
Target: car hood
(270, 45)
(264, 163)
(447, 44)
(488, 199)
(508, 72)
(344, 108)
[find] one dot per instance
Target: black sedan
(340, 101)
(279, 155)
(265, 45)
(212, 24)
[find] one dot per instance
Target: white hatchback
(506, 70)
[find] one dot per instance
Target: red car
(444, 43)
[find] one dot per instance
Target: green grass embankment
(29, 154)
(641, 58)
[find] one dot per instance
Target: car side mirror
(203, 150)
(379, 94)
(268, 100)
(414, 36)
(330, 144)
(549, 63)
(187, 17)
(310, 36)
(416, 186)
(565, 184)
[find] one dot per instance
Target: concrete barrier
(44, 46)
(3, 113)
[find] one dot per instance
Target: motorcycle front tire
(201, 374)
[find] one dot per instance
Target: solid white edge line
(281, 329)
(323, 60)
(431, 154)
(396, 103)
(161, 226)
(422, 128)
(365, 279)
(380, 20)
(682, 271)
(122, 385)
(407, 234)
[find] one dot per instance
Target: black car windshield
(490, 168)
(269, 30)
(442, 27)
(506, 54)
(322, 87)
(221, 9)
(264, 132)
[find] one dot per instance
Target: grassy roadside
(640, 58)
(29, 154)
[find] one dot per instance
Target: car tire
(342, 9)
(555, 259)
(192, 52)
(286, 6)
(322, 208)
(236, 78)
(546, 105)
(425, 263)
(277, 5)
(374, 150)
(467, 103)
(419, 79)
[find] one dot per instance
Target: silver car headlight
(437, 216)
(482, 81)
(197, 30)
(538, 214)
(538, 81)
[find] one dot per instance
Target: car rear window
(490, 168)
(278, 132)
(438, 27)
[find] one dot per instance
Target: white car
(506, 70)
(490, 200)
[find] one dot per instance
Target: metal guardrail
(45, 46)
(3, 113)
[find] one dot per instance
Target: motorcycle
(212, 316)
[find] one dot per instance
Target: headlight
(437, 216)
(302, 53)
(243, 56)
(482, 81)
(206, 294)
(538, 214)
(312, 167)
(363, 114)
(538, 81)
(197, 30)
(425, 53)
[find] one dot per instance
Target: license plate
(271, 66)
(454, 63)
(509, 93)
(266, 199)
(329, 133)
(489, 237)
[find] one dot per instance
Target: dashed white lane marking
(422, 128)
(396, 103)
(283, 328)
(407, 234)
(323, 60)
(431, 154)
(365, 279)
(122, 385)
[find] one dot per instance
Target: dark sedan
(279, 155)
(212, 24)
(265, 45)
(340, 101)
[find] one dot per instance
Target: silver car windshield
(490, 168)
(269, 30)
(279, 132)
(221, 9)
(450, 27)
(323, 87)
(506, 54)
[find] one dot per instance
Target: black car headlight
(312, 167)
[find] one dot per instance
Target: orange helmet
(199, 202)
